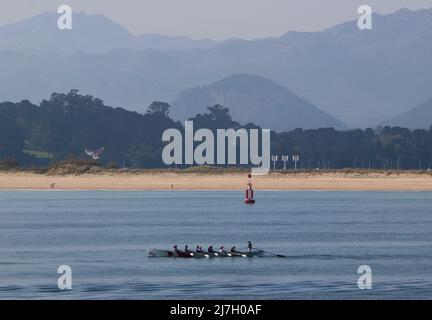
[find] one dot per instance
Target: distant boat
(194, 254)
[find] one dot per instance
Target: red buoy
(249, 194)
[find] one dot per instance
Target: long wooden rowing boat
(194, 254)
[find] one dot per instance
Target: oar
(274, 254)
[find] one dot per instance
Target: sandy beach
(230, 181)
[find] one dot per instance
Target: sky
(214, 19)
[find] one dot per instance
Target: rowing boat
(194, 254)
(169, 254)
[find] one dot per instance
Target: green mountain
(252, 98)
(417, 117)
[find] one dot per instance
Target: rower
(233, 249)
(249, 246)
(222, 249)
(210, 249)
(175, 248)
(198, 249)
(186, 248)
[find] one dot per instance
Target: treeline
(382, 148)
(66, 124)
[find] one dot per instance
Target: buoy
(249, 194)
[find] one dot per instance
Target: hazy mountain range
(362, 77)
(89, 34)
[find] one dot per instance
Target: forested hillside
(67, 124)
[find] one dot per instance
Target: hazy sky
(215, 19)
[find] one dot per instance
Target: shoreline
(298, 181)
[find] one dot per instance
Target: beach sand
(229, 181)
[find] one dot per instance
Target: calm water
(104, 235)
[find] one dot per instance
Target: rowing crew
(210, 253)
(210, 249)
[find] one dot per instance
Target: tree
(158, 107)
(220, 113)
